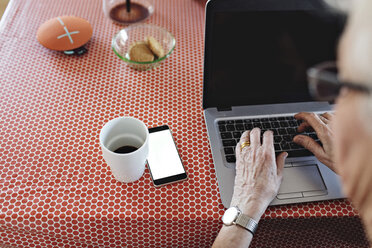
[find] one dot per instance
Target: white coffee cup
(122, 132)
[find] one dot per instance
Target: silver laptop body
(256, 56)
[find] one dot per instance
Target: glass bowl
(124, 39)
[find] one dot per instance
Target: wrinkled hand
(258, 173)
(321, 125)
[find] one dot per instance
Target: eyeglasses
(325, 85)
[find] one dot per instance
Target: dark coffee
(137, 13)
(126, 149)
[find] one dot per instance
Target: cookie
(140, 52)
(155, 46)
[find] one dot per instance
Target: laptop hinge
(224, 109)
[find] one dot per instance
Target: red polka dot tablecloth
(55, 188)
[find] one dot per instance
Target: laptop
(256, 56)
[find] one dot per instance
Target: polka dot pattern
(311, 232)
(55, 188)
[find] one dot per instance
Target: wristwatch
(233, 215)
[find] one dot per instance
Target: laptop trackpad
(302, 179)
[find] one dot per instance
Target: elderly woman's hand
(258, 173)
(321, 125)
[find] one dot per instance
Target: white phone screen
(163, 158)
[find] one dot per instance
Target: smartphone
(164, 162)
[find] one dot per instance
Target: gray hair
(341, 5)
(358, 51)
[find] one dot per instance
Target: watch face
(230, 216)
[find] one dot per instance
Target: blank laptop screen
(261, 57)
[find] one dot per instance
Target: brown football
(64, 33)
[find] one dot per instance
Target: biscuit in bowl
(155, 46)
(140, 52)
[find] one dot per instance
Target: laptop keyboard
(284, 128)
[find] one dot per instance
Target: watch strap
(247, 222)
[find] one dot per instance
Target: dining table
(56, 190)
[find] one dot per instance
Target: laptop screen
(261, 57)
